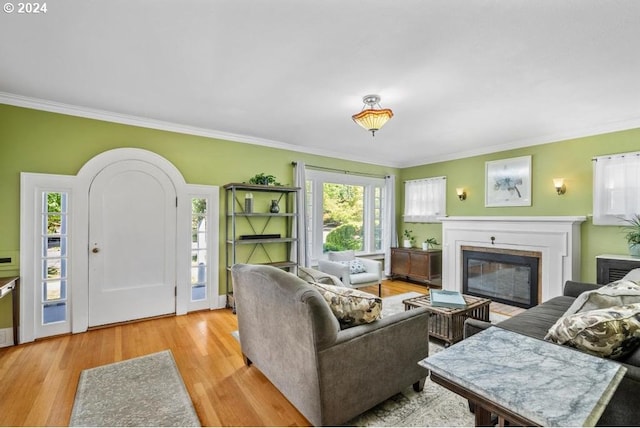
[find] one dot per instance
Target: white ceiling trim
(89, 113)
(617, 126)
(107, 116)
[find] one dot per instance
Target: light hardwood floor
(38, 380)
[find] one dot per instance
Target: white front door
(132, 243)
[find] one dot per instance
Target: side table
(448, 323)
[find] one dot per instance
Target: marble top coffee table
(526, 381)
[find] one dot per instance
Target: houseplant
(633, 235)
(429, 243)
(264, 179)
(408, 238)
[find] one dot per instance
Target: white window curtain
(390, 238)
(616, 188)
(300, 232)
(425, 199)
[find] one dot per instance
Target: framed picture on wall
(508, 182)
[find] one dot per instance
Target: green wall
(571, 159)
(37, 141)
(43, 142)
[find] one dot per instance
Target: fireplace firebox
(509, 277)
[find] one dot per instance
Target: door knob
(96, 250)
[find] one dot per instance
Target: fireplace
(510, 277)
(556, 239)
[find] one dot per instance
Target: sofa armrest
(473, 326)
(372, 265)
(335, 269)
(575, 288)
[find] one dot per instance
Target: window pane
(54, 312)
(54, 257)
(377, 219)
(54, 290)
(343, 217)
(198, 249)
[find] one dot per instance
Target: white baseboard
(6, 337)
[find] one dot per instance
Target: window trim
(318, 178)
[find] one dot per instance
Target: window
(616, 187)
(425, 199)
(199, 259)
(344, 212)
(54, 257)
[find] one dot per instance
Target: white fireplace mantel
(557, 238)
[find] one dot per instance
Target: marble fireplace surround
(557, 238)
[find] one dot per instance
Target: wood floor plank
(38, 381)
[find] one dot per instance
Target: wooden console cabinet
(418, 265)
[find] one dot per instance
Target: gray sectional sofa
(624, 407)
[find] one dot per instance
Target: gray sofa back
(289, 333)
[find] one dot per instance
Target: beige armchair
(341, 264)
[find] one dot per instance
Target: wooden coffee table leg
(483, 416)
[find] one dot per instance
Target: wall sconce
(558, 183)
(462, 195)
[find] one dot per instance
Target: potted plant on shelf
(429, 243)
(408, 238)
(265, 180)
(633, 235)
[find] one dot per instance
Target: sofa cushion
(350, 306)
(611, 333)
(355, 266)
(313, 275)
(617, 293)
(536, 321)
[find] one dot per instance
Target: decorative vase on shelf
(407, 243)
(634, 250)
(425, 246)
(274, 209)
(248, 203)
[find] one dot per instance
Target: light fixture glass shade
(372, 119)
(558, 183)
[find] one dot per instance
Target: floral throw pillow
(350, 306)
(613, 332)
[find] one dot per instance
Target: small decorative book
(447, 299)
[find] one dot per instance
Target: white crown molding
(108, 116)
(622, 125)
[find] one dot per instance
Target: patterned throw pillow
(611, 333)
(355, 266)
(350, 306)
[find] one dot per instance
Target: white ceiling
(462, 77)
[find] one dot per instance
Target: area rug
(143, 391)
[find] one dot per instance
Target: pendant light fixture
(372, 118)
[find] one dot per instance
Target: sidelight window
(54, 259)
(199, 239)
